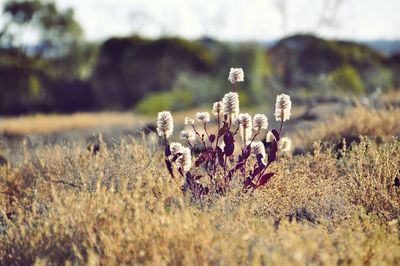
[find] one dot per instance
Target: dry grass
(63, 205)
(46, 124)
(356, 122)
(49, 124)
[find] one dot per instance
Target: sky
(238, 20)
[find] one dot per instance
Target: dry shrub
(372, 170)
(121, 207)
(306, 187)
(356, 122)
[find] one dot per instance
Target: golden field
(63, 205)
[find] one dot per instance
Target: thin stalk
(200, 137)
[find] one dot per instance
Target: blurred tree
(130, 68)
(43, 59)
(55, 31)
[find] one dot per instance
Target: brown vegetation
(62, 204)
(356, 122)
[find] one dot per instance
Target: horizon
(235, 22)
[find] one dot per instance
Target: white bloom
(184, 161)
(203, 117)
(175, 148)
(236, 75)
(245, 120)
(245, 127)
(236, 121)
(165, 124)
(260, 121)
(230, 104)
(257, 147)
(189, 121)
(270, 137)
(282, 107)
(217, 108)
(285, 144)
(187, 134)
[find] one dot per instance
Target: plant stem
(200, 137)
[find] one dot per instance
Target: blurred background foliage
(65, 73)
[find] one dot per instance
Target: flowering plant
(221, 157)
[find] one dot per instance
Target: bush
(174, 100)
(348, 80)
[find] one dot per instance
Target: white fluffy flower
(175, 148)
(184, 161)
(189, 121)
(282, 107)
(285, 144)
(260, 121)
(236, 121)
(217, 108)
(203, 117)
(187, 134)
(230, 104)
(245, 120)
(245, 127)
(165, 124)
(257, 147)
(236, 75)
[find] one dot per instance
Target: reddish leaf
(239, 165)
(259, 160)
(264, 179)
(228, 178)
(229, 144)
(220, 155)
(245, 154)
(167, 150)
(176, 157)
(228, 149)
(188, 175)
(272, 152)
(228, 138)
(247, 183)
(276, 134)
(200, 160)
(256, 171)
(211, 138)
(223, 130)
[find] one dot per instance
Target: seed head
(230, 104)
(165, 124)
(203, 117)
(236, 75)
(285, 144)
(245, 120)
(257, 147)
(187, 134)
(260, 122)
(217, 108)
(175, 148)
(282, 107)
(184, 161)
(189, 121)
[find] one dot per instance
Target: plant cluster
(215, 152)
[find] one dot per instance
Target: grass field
(62, 204)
